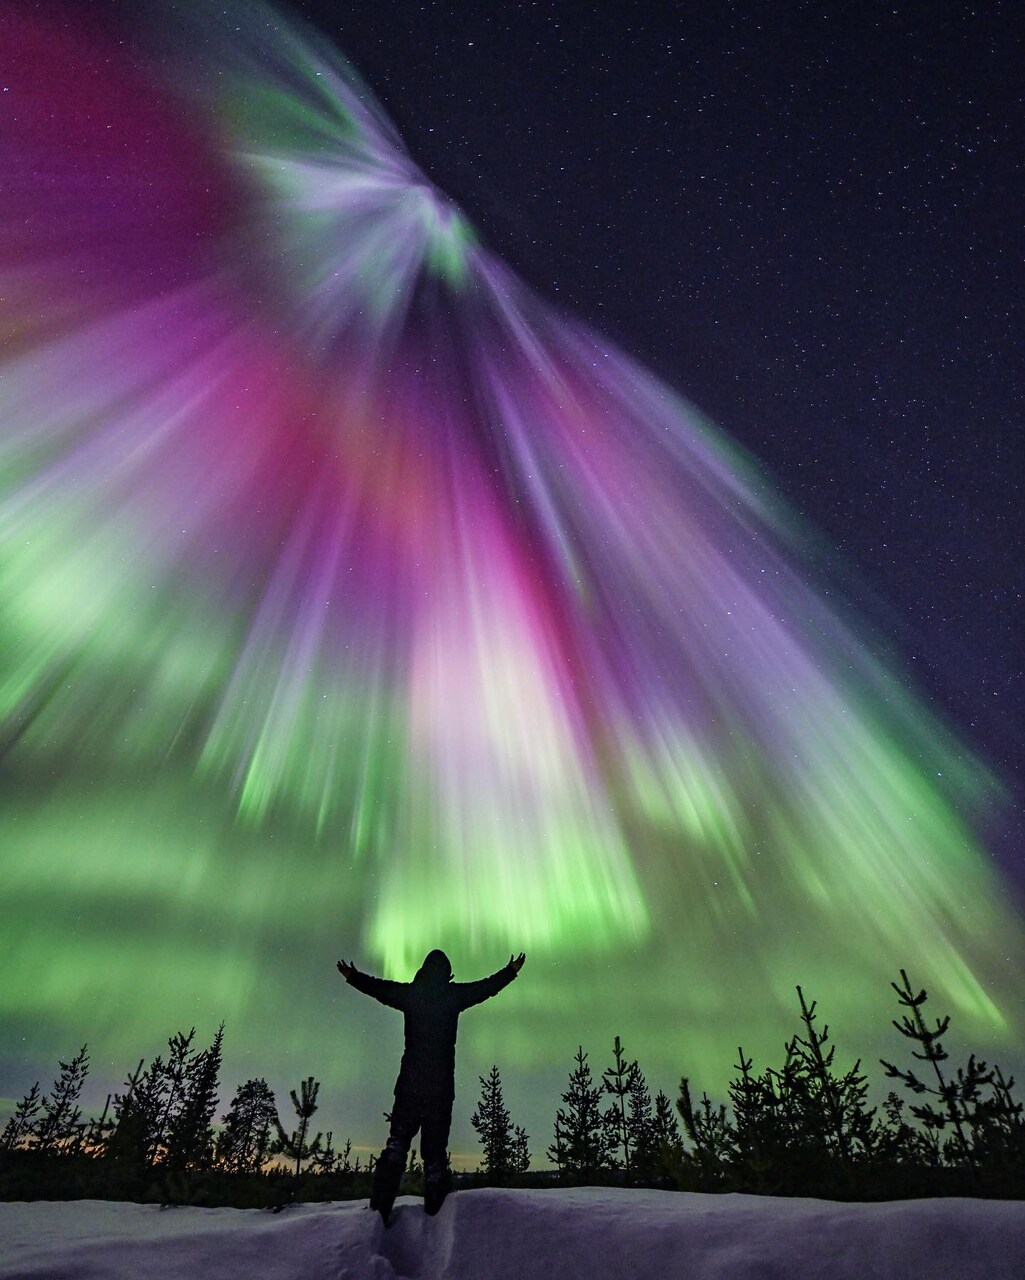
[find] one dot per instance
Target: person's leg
(405, 1120)
(437, 1121)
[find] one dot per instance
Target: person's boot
(385, 1185)
(437, 1184)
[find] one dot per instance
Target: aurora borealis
(357, 601)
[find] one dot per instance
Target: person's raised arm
(382, 989)
(471, 993)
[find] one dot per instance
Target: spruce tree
(618, 1081)
(666, 1144)
(710, 1130)
(665, 1130)
(640, 1127)
(189, 1137)
(493, 1125)
(998, 1126)
(344, 1162)
(331, 1161)
(505, 1145)
(325, 1158)
(20, 1128)
(149, 1110)
(954, 1096)
(775, 1127)
(166, 1083)
(131, 1142)
(583, 1145)
(520, 1155)
(244, 1141)
(58, 1127)
(899, 1143)
(297, 1145)
(840, 1101)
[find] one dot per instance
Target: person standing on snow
(425, 1088)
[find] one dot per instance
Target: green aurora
(354, 603)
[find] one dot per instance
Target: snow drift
(585, 1234)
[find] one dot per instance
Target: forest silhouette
(801, 1128)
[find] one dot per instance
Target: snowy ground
(587, 1234)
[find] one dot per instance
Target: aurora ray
(309, 506)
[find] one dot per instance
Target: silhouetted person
(426, 1085)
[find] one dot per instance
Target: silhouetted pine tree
(666, 1144)
(189, 1135)
(58, 1128)
(520, 1156)
(998, 1127)
(331, 1161)
(640, 1128)
(711, 1133)
(493, 1126)
(148, 1109)
(802, 1128)
(163, 1119)
(776, 1134)
(955, 1096)
(131, 1141)
(583, 1145)
(767, 1123)
(20, 1128)
(664, 1127)
(325, 1158)
(618, 1081)
(505, 1145)
(781, 1130)
(840, 1101)
(297, 1145)
(244, 1142)
(899, 1143)
(166, 1083)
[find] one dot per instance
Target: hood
(435, 968)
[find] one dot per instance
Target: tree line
(802, 1128)
(805, 1127)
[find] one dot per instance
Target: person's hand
(516, 964)
(346, 969)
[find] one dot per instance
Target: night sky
(803, 219)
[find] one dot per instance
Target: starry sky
(803, 221)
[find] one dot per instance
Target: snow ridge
(588, 1233)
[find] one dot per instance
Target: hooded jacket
(431, 1005)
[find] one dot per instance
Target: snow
(583, 1234)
